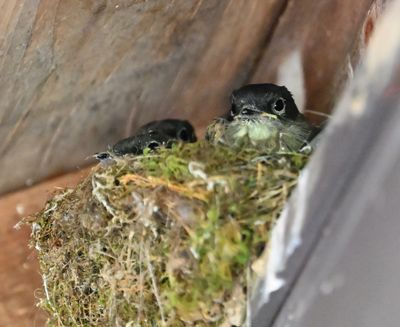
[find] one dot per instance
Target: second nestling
(152, 135)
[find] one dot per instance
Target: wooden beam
(78, 75)
(329, 35)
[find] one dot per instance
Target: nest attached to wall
(168, 238)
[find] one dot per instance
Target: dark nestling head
(177, 129)
(254, 99)
(155, 134)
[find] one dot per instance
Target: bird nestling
(263, 116)
(152, 135)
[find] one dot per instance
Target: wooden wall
(77, 75)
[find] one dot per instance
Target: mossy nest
(167, 238)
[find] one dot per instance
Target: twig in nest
(150, 181)
(154, 284)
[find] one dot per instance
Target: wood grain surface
(78, 75)
(329, 35)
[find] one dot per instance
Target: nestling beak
(249, 110)
(268, 115)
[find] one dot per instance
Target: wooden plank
(350, 278)
(19, 271)
(336, 249)
(329, 35)
(350, 275)
(78, 75)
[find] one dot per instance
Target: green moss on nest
(166, 238)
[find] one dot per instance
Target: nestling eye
(279, 106)
(153, 145)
